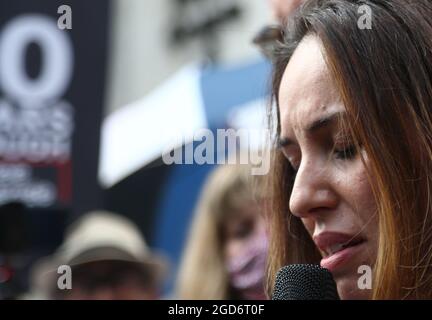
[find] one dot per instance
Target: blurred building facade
(153, 39)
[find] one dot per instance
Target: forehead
(307, 91)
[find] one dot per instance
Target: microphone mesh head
(304, 282)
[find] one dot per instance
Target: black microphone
(304, 282)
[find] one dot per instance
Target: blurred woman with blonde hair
(226, 252)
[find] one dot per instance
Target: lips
(338, 248)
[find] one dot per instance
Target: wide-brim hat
(100, 236)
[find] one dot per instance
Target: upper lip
(331, 242)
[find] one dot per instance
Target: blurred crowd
(105, 256)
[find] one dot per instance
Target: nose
(312, 193)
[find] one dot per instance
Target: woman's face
(331, 193)
(242, 228)
(245, 251)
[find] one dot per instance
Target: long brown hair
(384, 77)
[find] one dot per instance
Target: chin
(348, 289)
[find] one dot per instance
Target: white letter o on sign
(57, 59)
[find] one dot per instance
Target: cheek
(365, 199)
(360, 193)
(356, 191)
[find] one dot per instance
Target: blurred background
(89, 102)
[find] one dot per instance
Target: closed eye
(347, 153)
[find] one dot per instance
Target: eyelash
(347, 153)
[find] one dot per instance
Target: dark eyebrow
(323, 122)
(314, 126)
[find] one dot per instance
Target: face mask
(247, 269)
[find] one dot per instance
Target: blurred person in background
(109, 260)
(282, 10)
(14, 241)
(226, 253)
